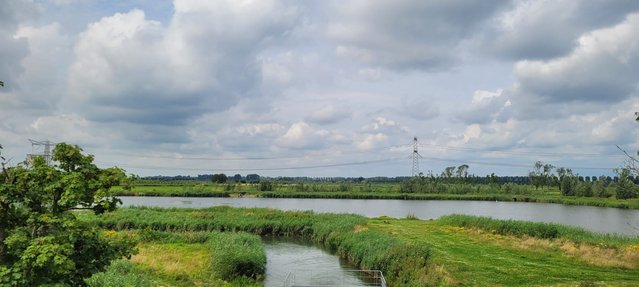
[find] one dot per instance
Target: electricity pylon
(47, 150)
(416, 157)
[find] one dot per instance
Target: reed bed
(538, 230)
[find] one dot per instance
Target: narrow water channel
(306, 264)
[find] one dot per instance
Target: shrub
(568, 185)
(237, 255)
(625, 188)
(584, 189)
(121, 273)
(266, 186)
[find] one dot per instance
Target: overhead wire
(546, 154)
(265, 168)
(315, 155)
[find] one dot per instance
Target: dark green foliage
(121, 273)
(625, 188)
(599, 189)
(219, 178)
(374, 250)
(512, 188)
(584, 189)
(568, 185)
(41, 242)
(237, 255)
(266, 185)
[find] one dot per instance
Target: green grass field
(452, 251)
(469, 257)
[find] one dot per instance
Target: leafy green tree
(599, 188)
(541, 175)
(536, 175)
(584, 189)
(266, 185)
(625, 188)
(462, 172)
(568, 185)
(219, 178)
(41, 241)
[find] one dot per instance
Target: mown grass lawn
(474, 258)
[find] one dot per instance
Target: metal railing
(339, 278)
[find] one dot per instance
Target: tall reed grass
(403, 263)
(538, 230)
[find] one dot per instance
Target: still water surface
(598, 219)
(310, 265)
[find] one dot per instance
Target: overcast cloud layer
(323, 88)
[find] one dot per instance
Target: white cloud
(321, 81)
(542, 29)
(328, 115)
(371, 141)
(301, 135)
(128, 68)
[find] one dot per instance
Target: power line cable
(547, 154)
(179, 157)
(262, 169)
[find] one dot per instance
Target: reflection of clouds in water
(632, 221)
(308, 264)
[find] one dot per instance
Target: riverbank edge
(579, 201)
(401, 261)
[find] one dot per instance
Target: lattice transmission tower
(416, 157)
(46, 154)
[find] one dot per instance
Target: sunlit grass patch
(174, 260)
(470, 256)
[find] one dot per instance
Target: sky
(323, 88)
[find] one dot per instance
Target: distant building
(252, 178)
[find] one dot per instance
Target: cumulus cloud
(601, 71)
(541, 29)
(371, 141)
(486, 106)
(383, 124)
(13, 49)
(301, 135)
(328, 115)
(131, 69)
(42, 82)
(603, 68)
(407, 34)
(281, 78)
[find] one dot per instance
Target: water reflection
(310, 264)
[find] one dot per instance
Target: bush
(237, 255)
(400, 261)
(121, 273)
(568, 185)
(625, 188)
(266, 186)
(584, 189)
(599, 189)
